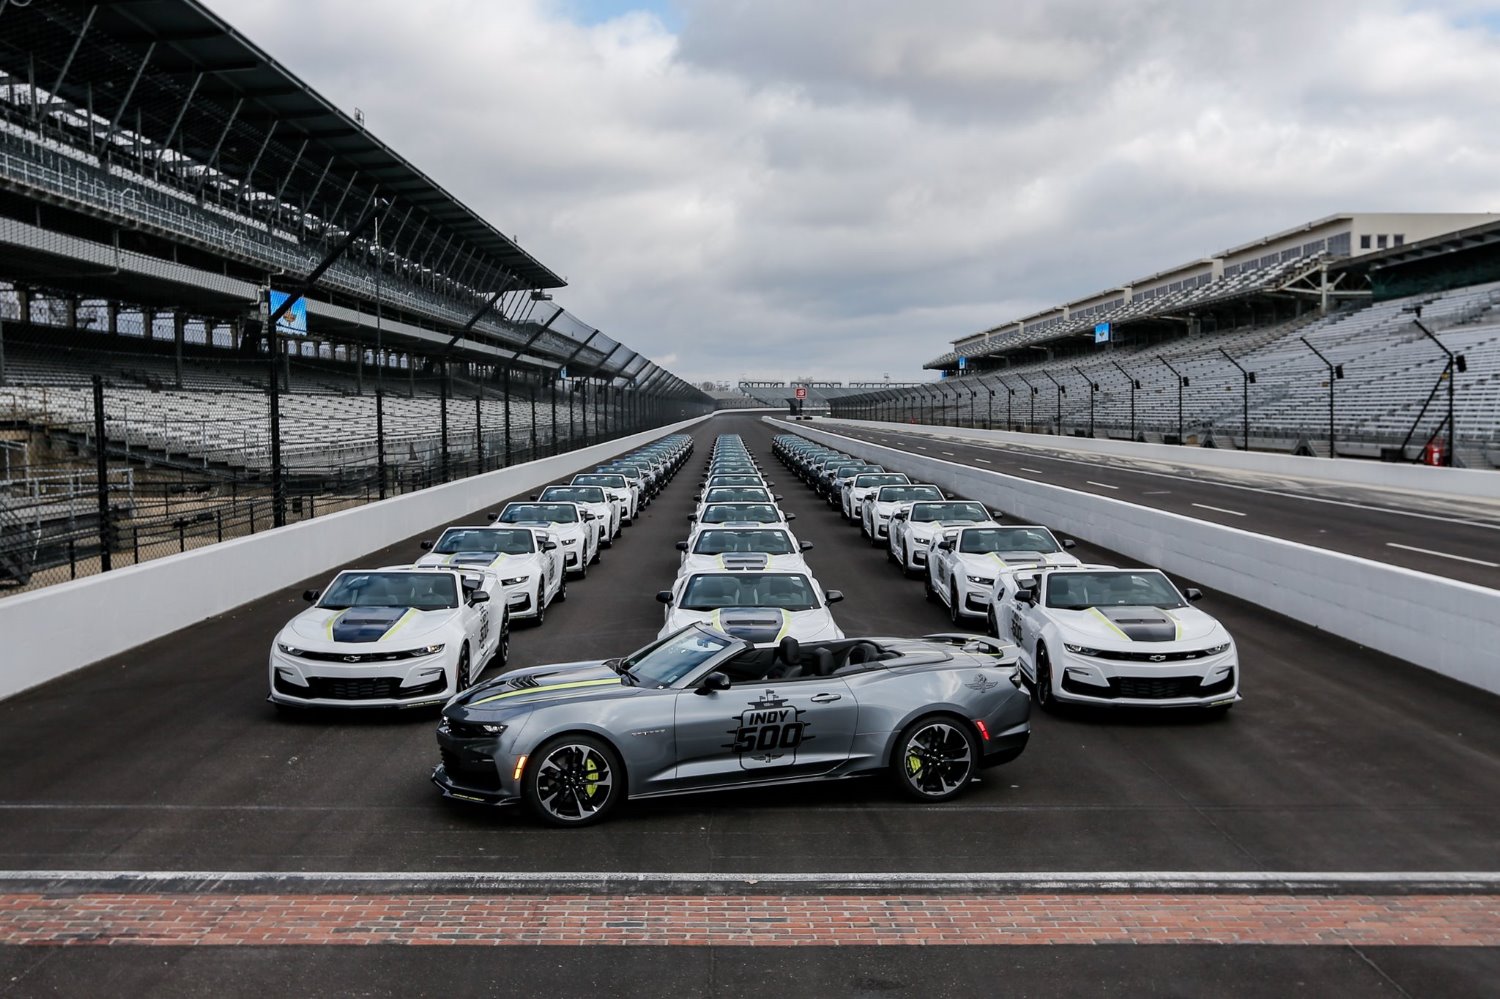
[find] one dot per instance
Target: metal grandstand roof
(198, 82)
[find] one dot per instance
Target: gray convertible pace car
(700, 710)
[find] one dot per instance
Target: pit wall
(53, 631)
(1432, 481)
(1444, 625)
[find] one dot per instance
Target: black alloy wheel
(935, 758)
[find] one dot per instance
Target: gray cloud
(838, 188)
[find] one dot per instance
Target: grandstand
(1335, 307)
(225, 304)
(819, 395)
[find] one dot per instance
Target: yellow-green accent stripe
(1095, 611)
(1176, 623)
(576, 684)
(401, 622)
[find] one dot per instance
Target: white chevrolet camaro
(762, 607)
(884, 503)
(1116, 637)
(912, 529)
(593, 499)
(570, 524)
(964, 562)
(718, 547)
(398, 637)
(526, 559)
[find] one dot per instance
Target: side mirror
(945, 545)
(714, 681)
(692, 516)
(682, 546)
(997, 514)
(805, 545)
(590, 516)
(311, 595)
(664, 597)
(479, 597)
(1193, 593)
(1069, 543)
(778, 498)
(492, 516)
(549, 546)
(1026, 596)
(834, 596)
(791, 517)
(427, 546)
(533, 497)
(697, 497)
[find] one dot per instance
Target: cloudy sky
(836, 188)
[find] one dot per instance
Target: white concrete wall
(1460, 482)
(1447, 626)
(52, 631)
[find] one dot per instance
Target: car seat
(788, 662)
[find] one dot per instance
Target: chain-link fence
(117, 449)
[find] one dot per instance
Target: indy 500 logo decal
(768, 733)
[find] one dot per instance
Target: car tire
(991, 626)
(541, 603)
(928, 590)
(462, 675)
(501, 656)
(1041, 690)
(955, 610)
(583, 567)
(566, 777)
(934, 758)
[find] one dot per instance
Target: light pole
(1335, 371)
(1134, 384)
(973, 394)
(1031, 420)
(989, 413)
(1456, 362)
(1181, 384)
(1093, 389)
(1062, 390)
(1247, 378)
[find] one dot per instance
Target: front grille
(1149, 688)
(360, 657)
(380, 688)
(1151, 657)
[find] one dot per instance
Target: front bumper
(1212, 682)
(460, 789)
(415, 683)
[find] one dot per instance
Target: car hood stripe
(574, 685)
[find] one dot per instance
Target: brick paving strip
(1428, 920)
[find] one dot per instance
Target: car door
(764, 730)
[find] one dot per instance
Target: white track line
(1103, 485)
(948, 453)
(1218, 509)
(983, 461)
(1081, 879)
(1457, 558)
(1033, 471)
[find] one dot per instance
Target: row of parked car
(742, 570)
(415, 635)
(1094, 634)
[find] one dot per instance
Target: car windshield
(765, 542)
(844, 473)
(1120, 588)
(906, 494)
(575, 494)
(925, 512)
(736, 494)
(484, 539)
(711, 591)
(867, 479)
(629, 473)
(607, 481)
(734, 480)
(531, 513)
(1008, 539)
(674, 657)
(426, 591)
(723, 513)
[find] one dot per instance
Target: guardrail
(1444, 625)
(62, 628)
(1433, 481)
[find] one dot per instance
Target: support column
(179, 334)
(112, 318)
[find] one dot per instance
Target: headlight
(290, 650)
(1216, 650)
(469, 730)
(1081, 650)
(981, 580)
(514, 581)
(570, 541)
(425, 650)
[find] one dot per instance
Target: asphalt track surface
(1453, 538)
(168, 758)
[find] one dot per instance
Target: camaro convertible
(700, 710)
(401, 637)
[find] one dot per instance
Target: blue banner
(1101, 332)
(294, 323)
